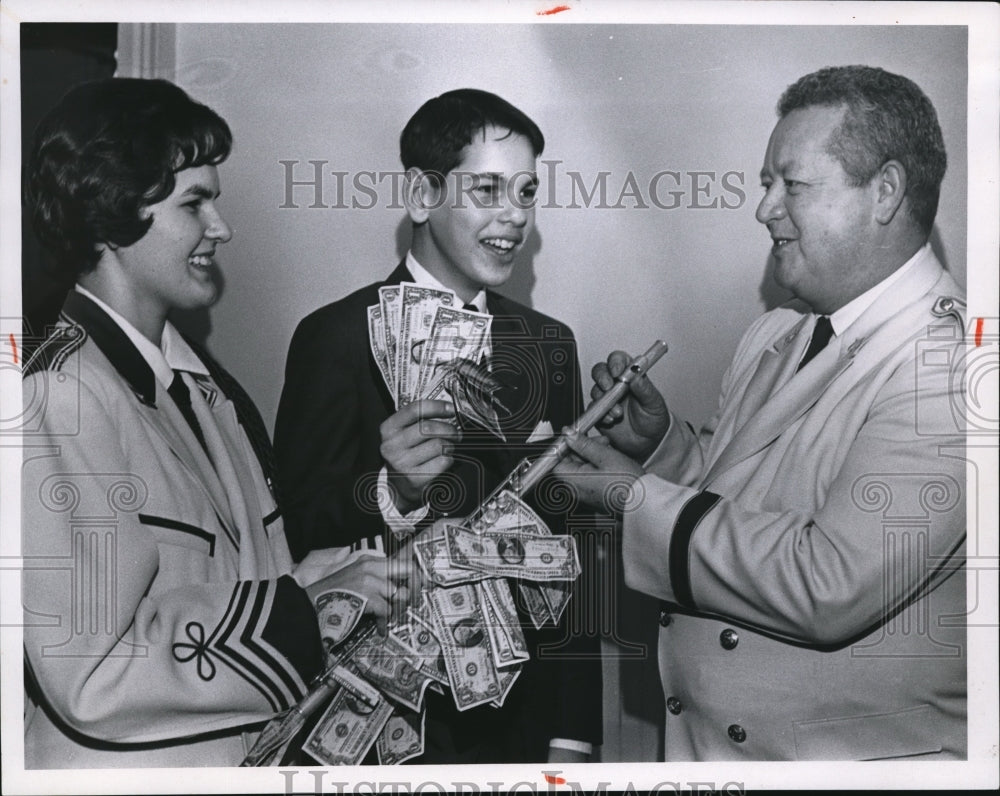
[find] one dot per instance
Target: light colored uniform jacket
(808, 543)
(160, 616)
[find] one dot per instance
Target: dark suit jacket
(327, 446)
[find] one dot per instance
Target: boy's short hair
(436, 134)
(108, 149)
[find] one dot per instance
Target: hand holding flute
(634, 425)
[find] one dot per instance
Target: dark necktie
(178, 390)
(820, 337)
(470, 307)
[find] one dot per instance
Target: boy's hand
(417, 443)
(636, 425)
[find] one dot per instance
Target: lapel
(774, 368)
(788, 401)
(517, 364)
(778, 396)
(153, 406)
(221, 388)
(220, 422)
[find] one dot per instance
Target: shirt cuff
(574, 746)
(399, 524)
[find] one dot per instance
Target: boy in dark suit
(352, 466)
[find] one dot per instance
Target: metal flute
(529, 472)
(521, 481)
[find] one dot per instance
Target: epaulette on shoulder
(56, 348)
(954, 306)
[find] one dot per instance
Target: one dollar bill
(347, 730)
(511, 554)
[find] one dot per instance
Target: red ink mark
(555, 10)
(979, 331)
(554, 780)
(13, 344)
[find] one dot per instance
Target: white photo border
(980, 771)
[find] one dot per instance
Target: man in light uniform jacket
(808, 542)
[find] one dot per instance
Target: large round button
(674, 705)
(729, 638)
(665, 618)
(737, 733)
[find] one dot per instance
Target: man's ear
(422, 192)
(890, 187)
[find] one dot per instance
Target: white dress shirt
(172, 354)
(842, 319)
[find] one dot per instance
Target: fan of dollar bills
(464, 635)
(427, 346)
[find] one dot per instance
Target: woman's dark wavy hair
(107, 150)
(442, 127)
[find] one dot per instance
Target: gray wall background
(622, 99)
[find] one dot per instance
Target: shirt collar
(842, 319)
(424, 277)
(174, 354)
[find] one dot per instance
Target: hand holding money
(417, 442)
(461, 631)
(427, 347)
(369, 576)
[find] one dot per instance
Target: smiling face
(823, 228)
(469, 230)
(170, 266)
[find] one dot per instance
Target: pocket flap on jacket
(180, 533)
(874, 736)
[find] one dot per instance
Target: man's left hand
(601, 476)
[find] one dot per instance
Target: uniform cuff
(574, 746)
(657, 538)
(680, 542)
